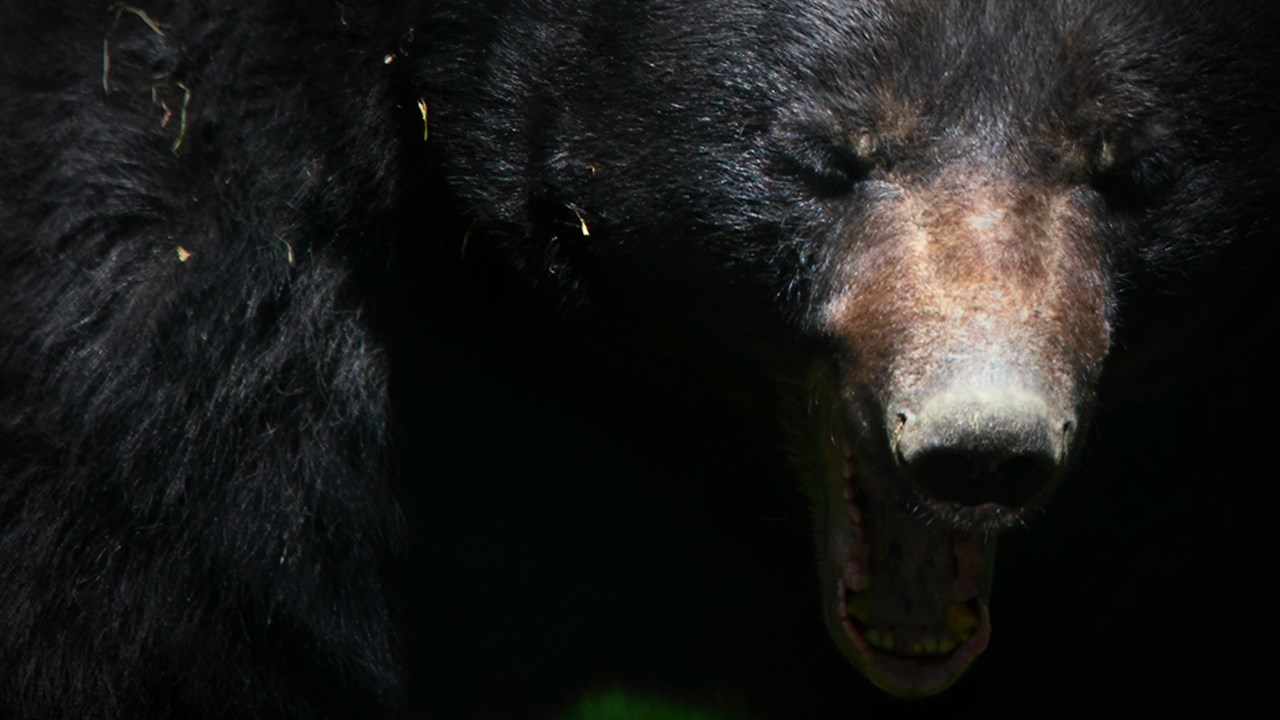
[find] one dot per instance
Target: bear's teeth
(927, 645)
(961, 620)
(880, 640)
(856, 577)
(858, 607)
(931, 644)
(855, 514)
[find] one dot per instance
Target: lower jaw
(903, 675)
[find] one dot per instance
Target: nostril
(982, 446)
(976, 478)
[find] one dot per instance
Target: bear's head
(968, 312)
(936, 212)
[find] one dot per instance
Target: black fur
(195, 499)
(217, 220)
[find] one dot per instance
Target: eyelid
(830, 166)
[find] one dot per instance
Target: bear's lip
(906, 676)
(905, 592)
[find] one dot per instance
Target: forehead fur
(915, 71)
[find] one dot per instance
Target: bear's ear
(827, 165)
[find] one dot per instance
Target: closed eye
(828, 168)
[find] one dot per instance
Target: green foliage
(618, 704)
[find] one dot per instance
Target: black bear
(279, 422)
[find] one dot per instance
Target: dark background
(591, 513)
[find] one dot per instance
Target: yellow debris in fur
(586, 231)
(182, 117)
(120, 9)
(167, 117)
(183, 254)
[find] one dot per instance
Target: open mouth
(905, 589)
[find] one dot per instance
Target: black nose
(984, 445)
